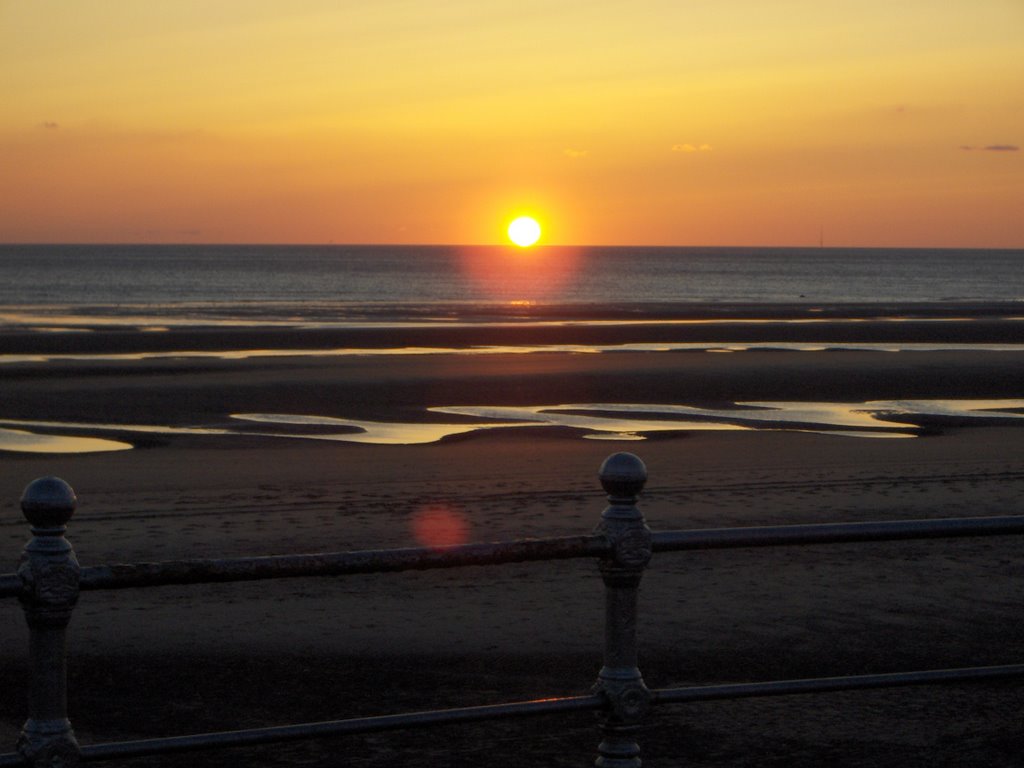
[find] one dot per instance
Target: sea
(55, 298)
(363, 283)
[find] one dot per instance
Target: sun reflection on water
(516, 275)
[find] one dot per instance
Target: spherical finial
(48, 502)
(623, 476)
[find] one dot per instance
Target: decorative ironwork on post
(49, 576)
(622, 476)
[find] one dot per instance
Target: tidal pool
(32, 442)
(595, 421)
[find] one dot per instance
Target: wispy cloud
(49, 125)
(575, 153)
(691, 147)
(991, 148)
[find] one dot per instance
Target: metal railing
(49, 579)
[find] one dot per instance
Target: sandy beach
(239, 655)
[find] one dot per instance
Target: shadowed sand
(230, 656)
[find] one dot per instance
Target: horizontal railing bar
(122, 576)
(834, 533)
(226, 739)
(693, 694)
(702, 693)
(128, 575)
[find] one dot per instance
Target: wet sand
(230, 656)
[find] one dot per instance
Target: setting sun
(524, 231)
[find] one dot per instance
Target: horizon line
(331, 243)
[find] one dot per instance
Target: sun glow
(524, 231)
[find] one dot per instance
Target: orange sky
(672, 122)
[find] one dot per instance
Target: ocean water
(338, 283)
(154, 288)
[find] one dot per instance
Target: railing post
(623, 476)
(49, 576)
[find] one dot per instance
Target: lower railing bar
(226, 739)
(830, 684)
(694, 694)
(123, 576)
(834, 533)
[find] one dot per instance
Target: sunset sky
(673, 122)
